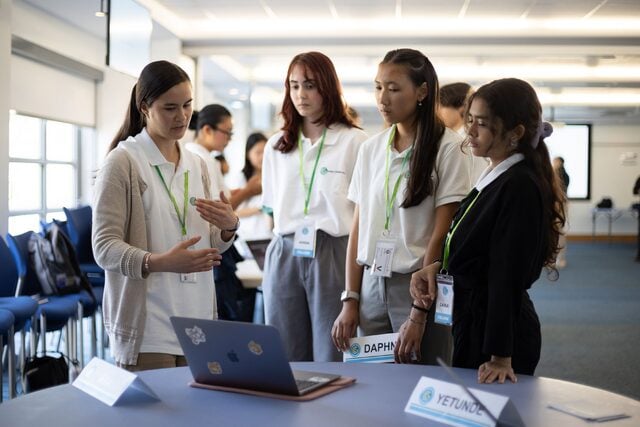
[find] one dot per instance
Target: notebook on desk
(242, 356)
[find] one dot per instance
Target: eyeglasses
(226, 132)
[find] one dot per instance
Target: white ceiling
(582, 55)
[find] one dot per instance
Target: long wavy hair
(514, 102)
(155, 79)
(329, 88)
(429, 127)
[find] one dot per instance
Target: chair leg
(94, 335)
(11, 365)
(33, 336)
(80, 334)
(43, 332)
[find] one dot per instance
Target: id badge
(304, 241)
(444, 301)
(383, 258)
(187, 277)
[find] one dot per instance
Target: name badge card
(448, 403)
(371, 349)
(108, 383)
(304, 241)
(187, 277)
(383, 258)
(444, 301)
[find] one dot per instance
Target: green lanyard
(313, 173)
(183, 219)
(389, 201)
(447, 243)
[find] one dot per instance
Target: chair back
(79, 232)
(19, 247)
(8, 271)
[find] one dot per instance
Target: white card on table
(304, 241)
(371, 349)
(444, 300)
(450, 404)
(108, 383)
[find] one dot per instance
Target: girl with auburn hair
(505, 231)
(408, 182)
(306, 171)
(155, 231)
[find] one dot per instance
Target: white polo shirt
(283, 192)
(258, 225)
(166, 296)
(213, 166)
(411, 227)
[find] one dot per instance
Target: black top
(496, 254)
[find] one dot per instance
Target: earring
(514, 143)
(419, 103)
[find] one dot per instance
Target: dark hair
(514, 102)
(454, 95)
(429, 127)
(210, 115)
(155, 79)
(334, 108)
(252, 140)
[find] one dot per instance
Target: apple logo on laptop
(233, 356)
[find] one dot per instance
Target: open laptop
(242, 355)
(258, 248)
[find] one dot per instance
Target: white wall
(5, 78)
(610, 178)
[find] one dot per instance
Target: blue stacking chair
(6, 335)
(78, 226)
(23, 308)
(55, 313)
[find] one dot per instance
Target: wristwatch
(234, 229)
(347, 295)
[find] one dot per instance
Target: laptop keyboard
(304, 385)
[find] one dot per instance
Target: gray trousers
(302, 295)
(385, 304)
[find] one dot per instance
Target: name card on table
(111, 384)
(371, 349)
(449, 403)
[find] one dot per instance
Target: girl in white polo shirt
(407, 184)
(155, 231)
(306, 172)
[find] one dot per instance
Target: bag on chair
(45, 371)
(54, 260)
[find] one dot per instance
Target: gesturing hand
(217, 212)
(181, 259)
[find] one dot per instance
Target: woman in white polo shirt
(156, 247)
(407, 184)
(305, 176)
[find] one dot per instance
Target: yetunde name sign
(371, 349)
(449, 403)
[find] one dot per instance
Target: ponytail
(133, 121)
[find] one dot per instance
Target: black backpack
(53, 258)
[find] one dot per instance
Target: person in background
(451, 108)
(408, 182)
(214, 130)
(222, 163)
(254, 223)
(156, 231)
(504, 233)
(306, 172)
(563, 177)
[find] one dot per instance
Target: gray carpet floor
(590, 318)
